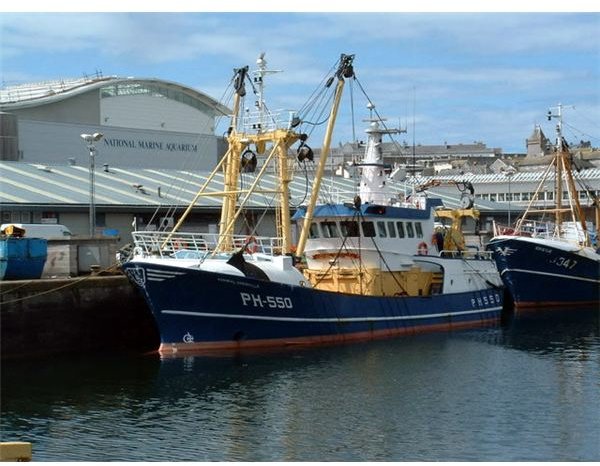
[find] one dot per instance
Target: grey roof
(398, 149)
(35, 94)
(67, 186)
(533, 176)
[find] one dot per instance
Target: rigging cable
(189, 166)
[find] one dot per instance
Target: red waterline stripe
(173, 348)
(532, 306)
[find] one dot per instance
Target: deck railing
(183, 245)
(569, 232)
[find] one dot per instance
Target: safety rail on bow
(569, 232)
(196, 245)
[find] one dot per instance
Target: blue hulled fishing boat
(552, 263)
(363, 266)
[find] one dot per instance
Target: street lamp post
(90, 139)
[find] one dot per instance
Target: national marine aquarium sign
(145, 144)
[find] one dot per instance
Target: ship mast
(563, 174)
(345, 70)
(563, 167)
(262, 133)
(372, 181)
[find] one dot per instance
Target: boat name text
(272, 302)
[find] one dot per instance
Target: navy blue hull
(537, 275)
(198, 310)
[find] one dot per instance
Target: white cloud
(473, 73)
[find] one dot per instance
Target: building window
(100, 219)
(49, 217)
(137, 88)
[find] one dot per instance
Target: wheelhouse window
(329, 230)
(419, 229)
(391, 229)
(400, 226)
(410, 230)
(314, 230)
(381, 230)
(349, 228)
(368, 229)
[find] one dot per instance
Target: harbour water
(526, 390)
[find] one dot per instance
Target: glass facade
(153, 90)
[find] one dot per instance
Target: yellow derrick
(375, 282)
(454, 239)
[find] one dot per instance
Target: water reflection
(550, 331)
(527, 390)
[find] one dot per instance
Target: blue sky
(469, 76)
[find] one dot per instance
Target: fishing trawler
(363, 267)
(552, 263)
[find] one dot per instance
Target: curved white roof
(41, 93)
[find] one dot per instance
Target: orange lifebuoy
(422, 249)
(251, 245)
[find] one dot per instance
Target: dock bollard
(15, 451)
